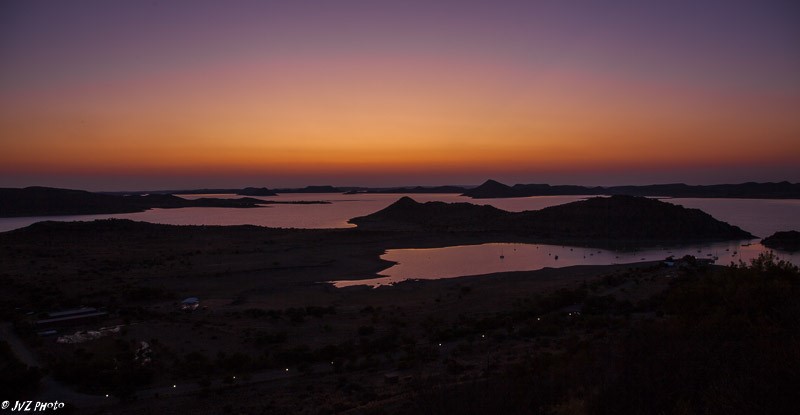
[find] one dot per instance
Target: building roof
(71, 317)
(82, 310)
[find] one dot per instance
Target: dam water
(761, 217)
(465, 260)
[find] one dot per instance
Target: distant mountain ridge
(492, 189)
(783, 190)
(311, 189)
(247, 191)
(601, 218)
(47, 201)
(412, 189)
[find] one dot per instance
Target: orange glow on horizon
(390, 105)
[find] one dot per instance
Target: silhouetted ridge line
(413, 190)
(311, 189)
(46, 201)
(783, 190)
(600, 218)
(785, 240)
(256, 191)
(247, 191)
(408, 214)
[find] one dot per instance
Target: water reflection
(761, 217)
(456, 261)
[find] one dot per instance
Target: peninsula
(786, 241)
(599, 220)
(492, 189)
(46, 201)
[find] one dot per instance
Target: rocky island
(47, 201)
(596, 220)
(492, 189)
(786, 241)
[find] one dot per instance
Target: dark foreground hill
(616, 218)
(46, 201)
(783, 190)
(618, 339)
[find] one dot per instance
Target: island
(412, 190)
(783, 190)
(256, 191)
(597, 221)
(785, 241)
(46, 201)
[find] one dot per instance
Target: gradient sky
(115, 95)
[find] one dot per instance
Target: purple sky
(110, 95)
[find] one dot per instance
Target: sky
(146, 95)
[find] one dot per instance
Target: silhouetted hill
(311, 189)
(623, 217)
(783, 190)
(786, 241)
(247, 191)
(491, 189)
(613, 218)
(414, 190)
(548, 190)
(750, 190)
(242, 202)
(46, 201)
(256, 191)
(40, 201)
(408, 214)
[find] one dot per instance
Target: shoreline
(263, 311)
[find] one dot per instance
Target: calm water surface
(333, 215)
(760, 217)
(456, 261)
